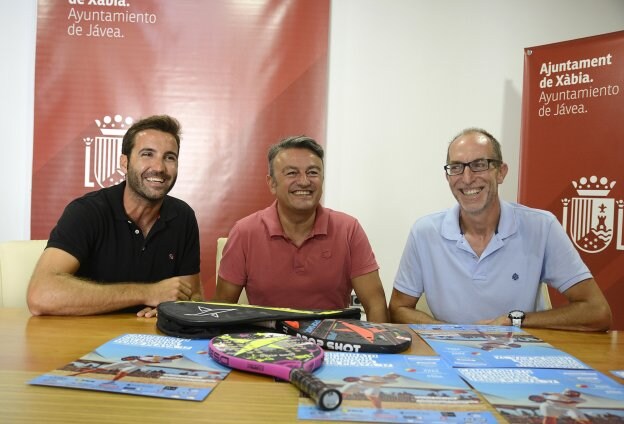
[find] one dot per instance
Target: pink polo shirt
(316, 275)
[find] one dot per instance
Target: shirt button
(136, 231)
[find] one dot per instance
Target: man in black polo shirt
(126, 246)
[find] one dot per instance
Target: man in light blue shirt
(483, 260)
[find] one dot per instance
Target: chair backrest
(220, 245)
(422, 305)
(17, 262)
(543, 298)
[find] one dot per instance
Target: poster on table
(389, 388)
(572, 150)
(142, 365)
(238, 75)
(549, 395)
(488, 346)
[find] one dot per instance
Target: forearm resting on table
(377, 313)
(65, 294)
(406, 315)
(403, 310)
(587, 310)
(577, 316)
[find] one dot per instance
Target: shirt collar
(507, 225)
(115, 196)
(274, 226)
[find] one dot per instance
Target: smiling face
(476, 192)
(297, 180)
(152, 167)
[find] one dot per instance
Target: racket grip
(325, 397)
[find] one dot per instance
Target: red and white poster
(572, 154)
(239, 75)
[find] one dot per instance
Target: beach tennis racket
(349, 335)
(278, 355)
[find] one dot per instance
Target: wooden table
(36, 345)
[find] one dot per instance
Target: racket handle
(324, 396)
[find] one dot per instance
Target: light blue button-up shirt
(530, 246)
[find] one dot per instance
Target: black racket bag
(204, 320)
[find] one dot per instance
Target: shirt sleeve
(233, 267)
(563, 266)
(190, 264)
(75, 231)
(362, 257)
(409, 279)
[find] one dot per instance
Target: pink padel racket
(279, 355)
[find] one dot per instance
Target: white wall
(405, 76)
(18, 22)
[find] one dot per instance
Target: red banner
(238, 75)
(572, 153)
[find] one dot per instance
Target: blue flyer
(464, 327)
(145, 365)
(549, 395)
(492, 347)
(396, 388)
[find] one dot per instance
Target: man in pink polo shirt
(296, 253)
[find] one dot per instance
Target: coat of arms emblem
(102, 152)
(589, 219)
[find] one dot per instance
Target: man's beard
(135, 183)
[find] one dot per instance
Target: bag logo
(211, 312)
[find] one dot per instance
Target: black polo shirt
(111, 248)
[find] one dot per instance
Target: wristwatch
(516, 318)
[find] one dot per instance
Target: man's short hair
(294, 142)
(164, 123)
(498, 152)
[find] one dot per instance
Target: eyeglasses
(477, 165)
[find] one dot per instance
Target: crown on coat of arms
(114, 126)
(593, 186)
